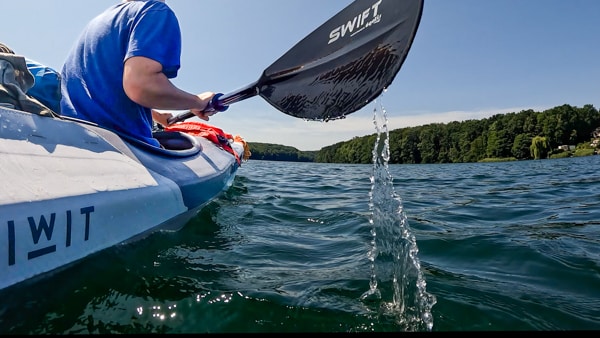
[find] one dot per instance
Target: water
(500, 246)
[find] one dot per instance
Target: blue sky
(470, 59)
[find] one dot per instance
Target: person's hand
(204, 99)
(161, 118)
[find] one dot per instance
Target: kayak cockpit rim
(174, 144)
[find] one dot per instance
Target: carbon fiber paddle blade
(345, 63)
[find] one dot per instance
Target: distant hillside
(514, 136)
(277, 152)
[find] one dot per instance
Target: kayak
(70, 189)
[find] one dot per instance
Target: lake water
(306, 247)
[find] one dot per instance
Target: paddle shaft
(220, 102)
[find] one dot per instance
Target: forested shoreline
(514, 136)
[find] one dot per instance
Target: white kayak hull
(71, 189)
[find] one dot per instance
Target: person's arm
(145, 84)
(161, 118)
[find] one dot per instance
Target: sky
(470, 59)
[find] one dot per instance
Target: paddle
(340, 67)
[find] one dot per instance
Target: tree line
(278, 152)
(524, 135)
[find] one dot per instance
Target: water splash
(393, 252)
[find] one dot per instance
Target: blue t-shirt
(92, 76)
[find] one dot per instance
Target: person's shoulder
(149, 3)
(150, 6)
(158, 10)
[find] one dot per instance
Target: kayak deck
(71, 189)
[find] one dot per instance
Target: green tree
(539, 147)
(521, 147)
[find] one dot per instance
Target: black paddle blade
(345, 63)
